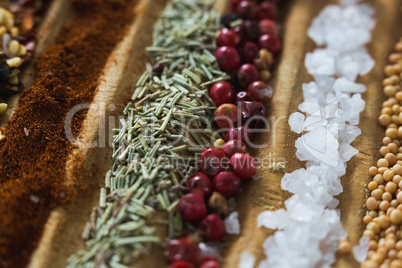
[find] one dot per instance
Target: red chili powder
(34, 153)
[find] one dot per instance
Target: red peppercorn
(184, 250)
(234, 4)
(228, 58)
(221, 92)
(253, 113)
(211, 161)
(246, 74)
(211, 264)
(181, 264)
(244, 96)
(246, 10)
(212, 228)
(192, 207)
(267, 10)
(243, 165)
(240, 31)
(227, 184)
(228, 37)
(226, 115)
(270, 42)
(252, 30)
(260, 91)
(249, 52)
(234, 146)
(200, 183)
(209, 258)
(239, 133)
(268, 26)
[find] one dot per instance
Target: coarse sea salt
(309, 227)
(247, 260)
(232, 224)
(360, 251)
(210, 248)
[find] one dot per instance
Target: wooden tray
(62, 233)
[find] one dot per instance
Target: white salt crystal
(278, 219)
(332, 110)
(310, 90)
(349, 133)
(232, 223)
(313, 121)
(320, 62)
(210, 248)
(359, 16)
(345, 85)
(320, 25)
(310, 226)
(296, 121)
(302, 208)
(345, 39)
(309, 106)
(360, 251)
(357, 104)
(318, 145)
(349, 2)
(331, 97)
(357, 62)
(351, 106)
(347, 67)
(324, 83)
(247, 260)
(346, 151)
(333, 203)
(326, 174)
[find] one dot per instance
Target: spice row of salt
(156, 150)
(384, 216)
(310, 226)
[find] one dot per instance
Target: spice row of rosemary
(156, 149)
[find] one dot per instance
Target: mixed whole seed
(17, 30)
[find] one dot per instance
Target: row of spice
(34, 153)
(169, 134)
(384, 216)
(250, 59)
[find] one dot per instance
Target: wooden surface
(63, 230)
